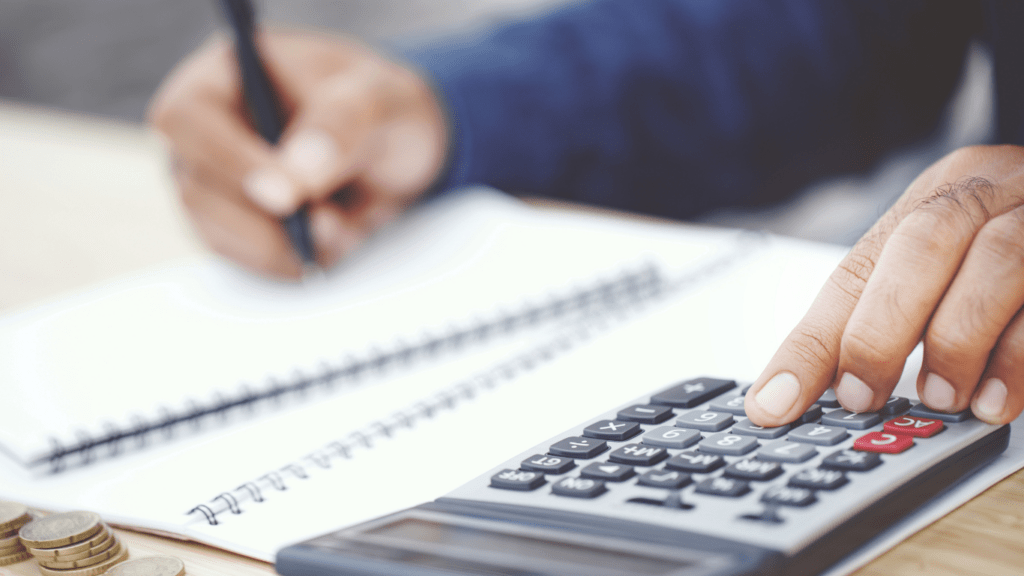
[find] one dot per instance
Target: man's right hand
(356, 122)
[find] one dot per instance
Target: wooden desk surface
(82, 200)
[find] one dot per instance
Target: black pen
(265, 112)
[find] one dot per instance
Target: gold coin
(12, 516)
(10, 542)
(89, 570)
(14, 558)
(60, 529)
(52, 561)
(86, 561)
(149, 566)
(63, 552)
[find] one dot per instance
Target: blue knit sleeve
(674, 107)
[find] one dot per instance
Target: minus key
(645, 413)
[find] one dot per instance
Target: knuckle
(954, 346)
(852, 274)
(962, 205)
(811, 347)
(866, 347)
(1003, 238)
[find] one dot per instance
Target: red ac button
(920, 427)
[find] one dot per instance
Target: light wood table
(82, 200)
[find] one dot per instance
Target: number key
(786, 451)
(747, 428)
(671, 437)
(728, 444)
(704, 420)
(854, 420)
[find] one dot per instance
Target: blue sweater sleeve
(673, 107)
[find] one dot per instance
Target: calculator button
(692, 392)
(728, 487)
(695, 462)
(578, 447)
(704, 421)
(788, 496)
(818, 479)
(786, 451)
(638, 455)
(732, 404)
(813, 414)
(728, 444)
(548, 464)
(819, 434)
(854, 420)
(828, 399)
(895, 405)
(919, 427)
(747, 428)
(612, 430)
(926, 412)
(851, 460)
(671, 479)
(517, 480)
(883, 442)
(578, 487)
(645, 414)
(753, 470)
(671, 437)
(606, 471)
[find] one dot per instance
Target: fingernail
(854, 394)
(991, 402)
(332, 237)
(938, 393)
(779, 395)
(271, 190)
(312, 155)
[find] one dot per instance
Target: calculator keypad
(691, 446)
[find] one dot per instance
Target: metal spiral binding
(83, 449)
(642, 289)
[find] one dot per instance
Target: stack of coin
(150, 566)
(12, 517)
(72, 544)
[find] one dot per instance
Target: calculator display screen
(604, 560)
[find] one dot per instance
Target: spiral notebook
(198, 347)
(195, 401)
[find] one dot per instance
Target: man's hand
(945, 264)
(357, 122)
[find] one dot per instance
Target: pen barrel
(259, 93)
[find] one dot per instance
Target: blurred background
(106, 57)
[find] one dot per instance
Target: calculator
(677, 483)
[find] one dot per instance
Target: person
(670, 107)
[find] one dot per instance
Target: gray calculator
(678, 483)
